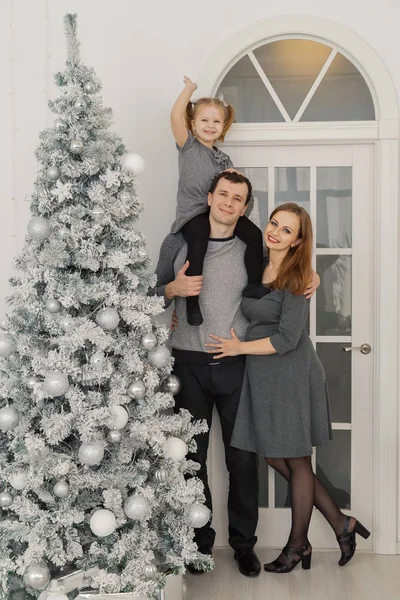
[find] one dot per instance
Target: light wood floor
(367, 577)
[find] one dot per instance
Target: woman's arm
(178, 125)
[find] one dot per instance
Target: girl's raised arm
(178, 124)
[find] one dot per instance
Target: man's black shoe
(249, 564)
(194, 570)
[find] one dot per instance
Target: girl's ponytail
(189, 116)
(229, 119)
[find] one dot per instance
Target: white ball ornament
(39, 228)
(159, 357)
(199, 515)
(103, 522)
(91, 454)
(125, 196)
(133, 163)
(76, 146)
(175, 448)
(136, 507)
(107, 318)
(56, 383)
(9, 418)
(119, 418)
(53, 305)
(37, 576)
(97, 360)
(61, 489)
(172, 385)
(141, 255)
(136, 389)
(67, 323)
(114, 436)
(53, 173)
(18, 481)
(5, 323)
(31, 382)
(148, 341)
(8, 344)
(6, 499)
(150, 571)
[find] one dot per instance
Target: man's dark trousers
(204, 385)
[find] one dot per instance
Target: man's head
(228, 197)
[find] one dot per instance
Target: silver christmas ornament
(119, 418)
(53, 173)
(150, 571)
(114, 436)
(133, 163)
(172, 385)
(91, 454)
(175, 448)
(88, 87)
(148, 341)
(159, 357)
(199, 515)
(103, 522)
(64, 232)
(18, 480)
(97, 211)
(125, 196)
(37, 576)
(61, 489)
(6, 499)
(53, 305)
(107, 318)
(8, 344)
(56, 383)
(76, 146)
(136, 389)
(97, 360)
(136, 507)
(39, 403)
(80, 104)
(5, 323)
(42, 191)
(141, 255)
(67, 323)
(31, 382)
(60, 125)
(39, 228)
(161, 475)
(9, 418)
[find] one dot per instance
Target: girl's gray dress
(284, 406)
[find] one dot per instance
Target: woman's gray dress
(284, 406)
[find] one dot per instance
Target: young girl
(284, 408)
(196, 128)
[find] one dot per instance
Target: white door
(335, 184)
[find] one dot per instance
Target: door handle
(364, 348)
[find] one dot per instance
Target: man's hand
(184, 285)
(314, 285)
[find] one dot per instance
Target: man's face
(228, 202)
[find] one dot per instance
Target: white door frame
(384, 133)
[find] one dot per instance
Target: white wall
(140, 51)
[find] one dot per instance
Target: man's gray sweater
(224, 277)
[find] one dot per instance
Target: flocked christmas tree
(91, 460)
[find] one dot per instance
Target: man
(206, 381)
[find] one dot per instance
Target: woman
(284, 407)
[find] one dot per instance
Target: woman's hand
(314, 285)
(190, 84)
(174, 321)
(227, 347)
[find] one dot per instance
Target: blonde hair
(227, 111)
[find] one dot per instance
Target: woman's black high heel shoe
(347, 540)
(292, 558)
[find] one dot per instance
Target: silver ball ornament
(8, 344)
(136, 389)
(97, 360)
(97, 211)
(5, 323)
(150, 571)
(119, 418)
(91, 454)
(31, 382)
(56, 383)
(39, 228)
(148, 341)
(103, 522)
(172, 385)
(37, 576)
(159, 357)
(107, 318)
(161, 475)
(64, 232)
(40, 403)
(67, 323)
(125, 196)
(6, 499)
(114, 436)
(61, 489)
(53, 305)
(80, 104)
(88, 87)
(9, 418)
(136, 507)
(175, 448)
(53, 173)
(199, 515)
(42, 191)
(76, 146)
(141, 255)
(133, 163)
(60, 125)
(18, 480)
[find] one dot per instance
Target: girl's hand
(227, 347)
(190, 84)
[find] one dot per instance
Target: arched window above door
(296, 80)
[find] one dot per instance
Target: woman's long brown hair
(227, 113)
(295, 272)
